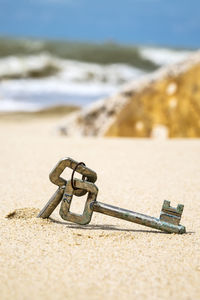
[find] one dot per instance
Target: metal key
(55, 178)
(52, 203)
(169, 218)
(67, 198)
(68, 162)
(168, 221)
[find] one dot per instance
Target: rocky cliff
(165, 103)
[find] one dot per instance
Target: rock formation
(165, 103)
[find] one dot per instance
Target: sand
(109, 258)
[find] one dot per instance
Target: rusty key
(168, 221)
(169, 218)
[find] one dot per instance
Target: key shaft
(52, 203)
(138, 218)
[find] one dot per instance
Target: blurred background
(73, 52)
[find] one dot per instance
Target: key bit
(171, 214)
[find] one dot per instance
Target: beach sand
(109, 258)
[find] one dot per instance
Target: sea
(38, 74)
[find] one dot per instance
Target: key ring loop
(72, 177)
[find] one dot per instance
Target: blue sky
(160, 22)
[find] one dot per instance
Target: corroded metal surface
(70, 163)
(137, 218)
(65, 213)
(52, 203)
(169, 220)
(171, 214)
(55, 178)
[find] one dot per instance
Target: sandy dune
(109, 258)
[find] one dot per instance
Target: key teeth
(171, 214)
(166, 204)
(166, 207)
(180, 208)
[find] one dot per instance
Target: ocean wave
(28, 66)
(74, 83)
(103, 54)
(42, 93)
(44, 65)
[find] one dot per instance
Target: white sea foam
(21, 66)
(164, 56)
